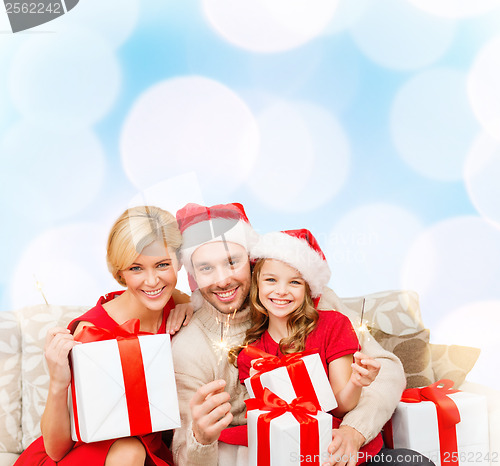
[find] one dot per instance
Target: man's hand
(210, 411)
(346, 442)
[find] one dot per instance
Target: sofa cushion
(393, 312)
(10, 383)
(394, 320)
(414, 352)
(453, 362)
(35, 321)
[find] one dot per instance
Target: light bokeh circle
(483, 88)
(475, 324)
(432, 124)
(69, 79)
(70, 264)
(304, 158)
(481, 174)
(397, 35)
(452, 263)
(346, 15)
(269, 25)
(456, 8)
(49, 174)
(366, 247)
(189, 124)
(114, 20)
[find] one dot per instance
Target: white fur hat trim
(297, 253)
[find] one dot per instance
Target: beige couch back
(24, 378)
(10, 383)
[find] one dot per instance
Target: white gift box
(278, 381)
(100, 389)
(285, 438)
(415, 426)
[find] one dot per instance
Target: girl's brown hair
(301, 322)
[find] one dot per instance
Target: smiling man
(215, 248)
(216, 241)
(221, 270)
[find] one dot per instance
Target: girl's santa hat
(299, 249)
(200, 225)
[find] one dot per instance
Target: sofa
(391, 317)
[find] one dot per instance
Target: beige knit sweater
(197, 361)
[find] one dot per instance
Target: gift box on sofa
(283, 434)
(447, 426)
(293, 375)
(122, 386)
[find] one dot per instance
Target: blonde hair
(136, 229)
(300, 324)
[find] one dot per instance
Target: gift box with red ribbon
(448, 426)
(286, 434)
(123, 384)
(293, 375)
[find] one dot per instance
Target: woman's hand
(55, 423)
(58, 344)
(180, 315)
(364, 369)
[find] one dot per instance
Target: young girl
(142, 255)
(287, 282)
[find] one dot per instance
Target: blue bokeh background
(375, 124)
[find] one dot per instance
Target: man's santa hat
(299, 249)
(200, 225)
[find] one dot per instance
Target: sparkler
(222, 346)
(362, 329)
(39, 287)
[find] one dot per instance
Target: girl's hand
(58, 344)
(253, 371)
(364, 369)
(180, 315)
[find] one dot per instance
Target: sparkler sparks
(222, 346)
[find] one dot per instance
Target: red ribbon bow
(302, 409)
(134, 377)
(448, 416)
(129, 329)
(295, 367)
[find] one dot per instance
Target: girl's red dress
(333, 337)
(85, 454)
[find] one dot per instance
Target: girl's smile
(281, 288)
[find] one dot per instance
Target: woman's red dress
(85, 454)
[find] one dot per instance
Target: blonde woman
(142, 255)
